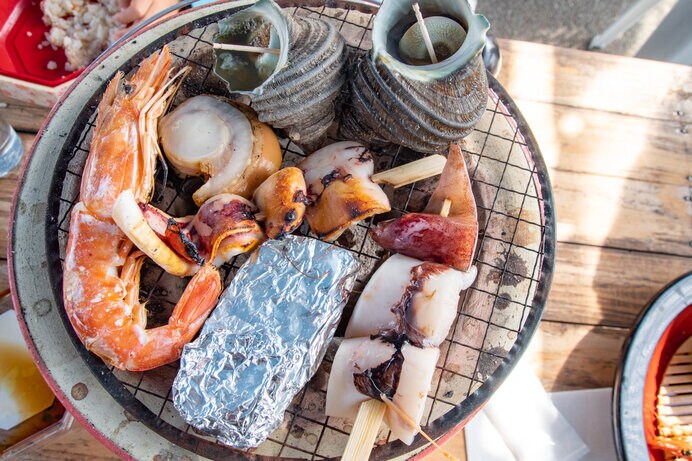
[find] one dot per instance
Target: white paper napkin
(522, 422)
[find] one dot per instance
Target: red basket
(24, 56)
(21, 54)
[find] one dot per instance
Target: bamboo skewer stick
(411, 172)
(364, 432)
(371, 412)
(446, 206)
(389, 404)
(246, 48)
(424, 32)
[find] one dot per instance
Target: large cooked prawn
(101, 272)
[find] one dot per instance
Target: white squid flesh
(411, 297)
(364, 367)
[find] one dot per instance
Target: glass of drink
(11, 148)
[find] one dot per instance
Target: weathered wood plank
(622, 213)
(607, 287)
(4, 280)
(570, 356)
(7, 188)
(610, 144)
(21, 116)
(597, 81)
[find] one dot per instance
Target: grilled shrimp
(101, 295)
(102, 268)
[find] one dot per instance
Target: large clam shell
(423, 107)
(296, 90)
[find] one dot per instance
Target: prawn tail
(198, 300)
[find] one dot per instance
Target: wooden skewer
(364, 432)
(411, 172)
(424, 32)
(446, 206)
(246, 48)
(371, 412)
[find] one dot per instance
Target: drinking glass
(11, 148)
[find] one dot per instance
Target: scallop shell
(295, 91)
(422, 107)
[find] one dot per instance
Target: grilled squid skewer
(340, 177)
(364, 367)
(411, 304)
(392, 340)
(447, 240)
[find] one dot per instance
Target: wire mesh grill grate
(502, 305)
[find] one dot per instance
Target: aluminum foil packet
(265, 339)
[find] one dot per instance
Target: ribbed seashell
(296, 90)
(424, 107)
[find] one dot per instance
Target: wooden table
(615, 133)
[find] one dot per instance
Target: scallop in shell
(221, 140)
(398, 95)
(295, 90)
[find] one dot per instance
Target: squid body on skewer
(400, 319)
(408, 307)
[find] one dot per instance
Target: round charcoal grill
(133, 413)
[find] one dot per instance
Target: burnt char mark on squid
(383, 379)
(300, 197)
(331, 177)
(419, 274)
(243, 210)
(190, 248)
(354, 209)
(236, 210)
(365, 156)
(289, 217)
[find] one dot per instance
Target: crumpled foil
(265, 339)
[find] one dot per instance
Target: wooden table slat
(572, 356)
(588, 141)
(600, 81)
(21, 116)
(622, 213)
(607, 287)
